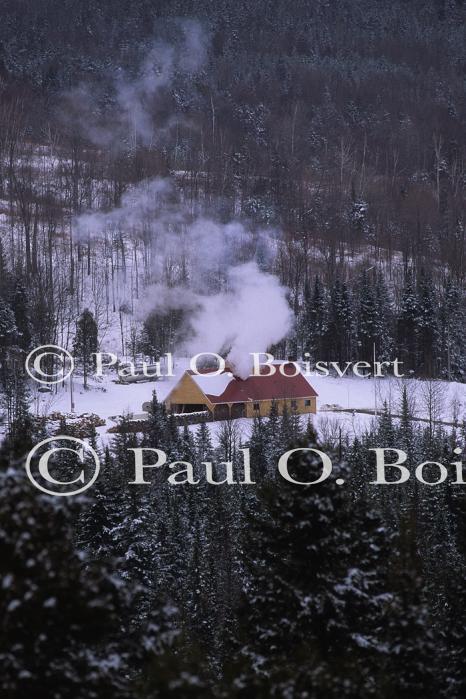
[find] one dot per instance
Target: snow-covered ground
(109, 400)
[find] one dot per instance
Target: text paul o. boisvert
(389, 468)
(261, 363)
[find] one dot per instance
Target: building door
(238, 410)
(222, 411)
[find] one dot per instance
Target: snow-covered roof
(227, 388)
(211, 384)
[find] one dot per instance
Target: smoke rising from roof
(206, 268)
(249, 316)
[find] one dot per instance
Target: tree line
(275, 589)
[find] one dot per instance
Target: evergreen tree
(85, 342)
(203, 443)
(359, 467)
(188, 446)
(322, 612)
(258, 442)
(427, 324)
(384, 346)
(405, 427)
(98, 516)
(340, 327)
(8, 328)
(407, 324)
(286, 428)
(156, 425)
(61, 613)
(385, 431)
(451, 330)
(317, 321)
(159, 332)
(373, 317)
(295, 425)
(172, 435)
(274, 447)
(22, 431)
(20, 304)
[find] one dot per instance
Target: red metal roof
(257, 388)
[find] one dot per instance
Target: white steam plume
(249, 317)
(134, 119)
(207, 268)
(229, 302)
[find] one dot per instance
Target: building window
(307, 402)
(256, 406)
(294, 404)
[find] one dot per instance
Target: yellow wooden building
(226, 396)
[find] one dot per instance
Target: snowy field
(109, 400)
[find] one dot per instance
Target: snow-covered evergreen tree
(85, 342)
(322, 605)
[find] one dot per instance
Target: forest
(232, 177)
